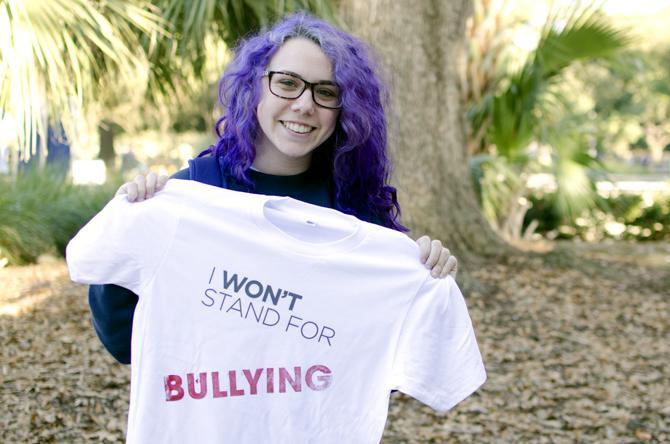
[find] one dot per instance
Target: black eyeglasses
(291, 86)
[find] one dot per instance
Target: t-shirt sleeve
(437, 360)
(123, 244)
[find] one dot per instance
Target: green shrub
(635, 219)
(40, 211)
(652, 224)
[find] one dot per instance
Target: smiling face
(291, 129)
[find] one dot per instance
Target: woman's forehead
(303, 57)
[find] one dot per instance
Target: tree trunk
(421, 46)
(107, 153)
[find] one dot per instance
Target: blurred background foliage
(568, 105)
(42, 210)
(559, 106)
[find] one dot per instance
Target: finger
(450, 268)
(162, 180)
(442, 260)
(150, 182)
(131, 188)
(140, 181)
(424, 248)
(435, 251)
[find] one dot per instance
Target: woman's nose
(305, 103)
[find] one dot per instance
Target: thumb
(122, 190)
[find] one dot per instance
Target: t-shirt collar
(308, 217)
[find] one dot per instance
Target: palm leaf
(53, 53)
(516, 109)
(191, 23)
(572, 165)
(586, 34)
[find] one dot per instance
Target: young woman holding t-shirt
(304, 117)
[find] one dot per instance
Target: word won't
(255, 289)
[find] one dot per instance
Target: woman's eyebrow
(320, 82)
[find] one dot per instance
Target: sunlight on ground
(25, 304)
(25, 288)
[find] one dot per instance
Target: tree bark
(421, 46)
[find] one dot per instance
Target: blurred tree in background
(421, 47)
(632, 98)
(125, 63)
(58, 56)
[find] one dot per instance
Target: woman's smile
(298, 128)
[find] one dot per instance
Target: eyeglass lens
(291, 87)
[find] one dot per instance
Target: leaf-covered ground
(576, 351)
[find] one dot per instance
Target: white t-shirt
(266, 319)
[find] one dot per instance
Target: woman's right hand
(142, 187)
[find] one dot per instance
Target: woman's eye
(287, 83)
(326, 93)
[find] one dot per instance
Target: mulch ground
(576, 351)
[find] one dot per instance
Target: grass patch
(40, 211)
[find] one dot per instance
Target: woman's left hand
(437, 258)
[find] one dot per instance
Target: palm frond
(55, 53)
(585, 34)
(192, 21)
(201, 33)
(515, 110)
(571, 166)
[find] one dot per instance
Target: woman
(303, 116)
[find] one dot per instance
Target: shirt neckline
(322, 216)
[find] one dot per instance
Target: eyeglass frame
(307, 84)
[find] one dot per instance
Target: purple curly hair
(354, 156)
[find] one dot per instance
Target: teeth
(297, 127)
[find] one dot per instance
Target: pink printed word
(260, 380)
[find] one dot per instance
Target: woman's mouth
(297, 128)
